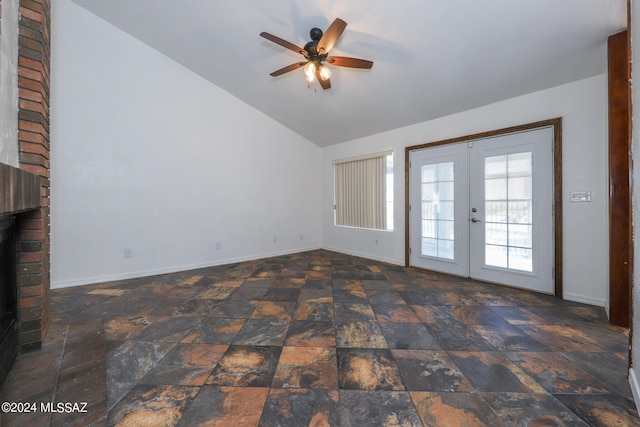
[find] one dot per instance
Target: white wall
(9, 147)
(582, 106)
(147, 156)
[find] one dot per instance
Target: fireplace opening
(8, 296)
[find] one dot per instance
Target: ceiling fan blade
(326, 84)
(284, 43)
(343, 61)
(331, 36)
(287, 69)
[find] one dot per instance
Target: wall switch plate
(580, 196)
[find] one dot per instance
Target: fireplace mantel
(19, 190)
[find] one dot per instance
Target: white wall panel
(150, 157)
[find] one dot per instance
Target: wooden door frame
(620, 165)
(556, 124)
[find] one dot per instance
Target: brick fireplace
(8, 300)
(20, 199)
(24, 191)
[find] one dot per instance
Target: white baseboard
(367, 256)
(58, 284)
(635, 387)
(584, 300)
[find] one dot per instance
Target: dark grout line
(57, 383)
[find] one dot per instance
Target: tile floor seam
(59, 369)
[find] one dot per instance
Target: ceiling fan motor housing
(312, 47)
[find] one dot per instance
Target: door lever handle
(475, 220)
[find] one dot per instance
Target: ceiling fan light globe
(310, 70)
(325, 72)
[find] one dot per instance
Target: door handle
(475, 220)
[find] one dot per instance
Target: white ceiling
(431, 57)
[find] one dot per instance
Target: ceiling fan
(316, 52)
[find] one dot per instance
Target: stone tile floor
(321, 338)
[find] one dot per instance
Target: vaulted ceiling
(431, 57)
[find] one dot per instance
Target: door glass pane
(496, 234)
(428, 212)
(520, 212)
(445, 172)
(428, 173)
(519, 164)
(429, 228)
(446, 210)
(495, 189)
(445, 191)
(520, 236)
(437, 192)
(520, 259)
(520, 188)
(495, 211)
(445, 230)
(445, 249)
(496, 255)
(429, 246)
(508, 211)
(495, 167)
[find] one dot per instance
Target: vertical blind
(360, 191)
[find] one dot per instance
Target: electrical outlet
(128, 253)
(377, 242)
(301, 236)
(218, 245)
(275, 239)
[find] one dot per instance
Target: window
(508, 183)
(438, 219)
(363, 195)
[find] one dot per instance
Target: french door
(484, 209)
